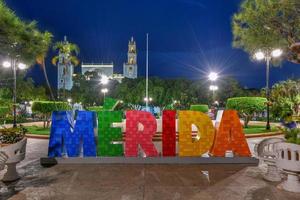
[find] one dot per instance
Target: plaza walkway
(126, 182)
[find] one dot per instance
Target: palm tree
(66, 57)
(45, 44)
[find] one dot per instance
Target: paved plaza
(126, 182)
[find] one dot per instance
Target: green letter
(108, 135)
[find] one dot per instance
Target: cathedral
(130, 69)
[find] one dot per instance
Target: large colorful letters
(169, 133)
(69, 136)
(65, 135)
(205, 135)
(108, 135)
(230, 136)
(135, 138)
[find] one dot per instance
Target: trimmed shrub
(247, 106)
(202, 107)
(45, 108)
(95, 108)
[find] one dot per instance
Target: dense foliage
(247, 106)
(164, 92)
(292, 135)
(26, 91)
(18, 39)
(285, 98)
(45, 108)
(202, 108)
(268, 24)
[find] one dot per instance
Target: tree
(46, 39)
(45, 108)
(66, 57)
(268, 24)
(19, 40)
(247, 106)
(285, 98)
(26, 91)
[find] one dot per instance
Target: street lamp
(148, 99)
(104, 80)
(14, 65)
(104, 91)
(267, 56)
(6, 64)
(213, 88)
(213, 76)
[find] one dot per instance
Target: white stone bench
(266, 153)
(288, 159)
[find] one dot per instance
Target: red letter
(230, 136)
(169, 133)
(134, 137)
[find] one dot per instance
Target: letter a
(230, 136)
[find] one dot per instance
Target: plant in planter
(13, 144)
(292, 135)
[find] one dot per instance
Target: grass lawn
(38, 130)
(253, 129)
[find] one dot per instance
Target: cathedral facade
(130, 68)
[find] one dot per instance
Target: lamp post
(104, 91)
(213, 88)
(213, 76)
(267, 56)
(14, 65)
(147, 100)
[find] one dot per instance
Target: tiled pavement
(232, 182)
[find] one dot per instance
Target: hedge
(202, 107)
(47, 107)
(95, 108)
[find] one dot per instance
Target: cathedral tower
(130, 68)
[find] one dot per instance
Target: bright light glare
(213, 87)
(277, 53)
(104, 90)
(213, 76)
(69, 100)
(104, 80)
(259, 55)
(6, 64)
(21, 66)
(145, 99)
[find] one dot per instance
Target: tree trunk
(47, 80)
(247, 120)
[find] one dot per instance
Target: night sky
(188, 38)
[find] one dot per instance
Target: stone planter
(16, 153)
(266, 153)
(288, 159)
(3, 159)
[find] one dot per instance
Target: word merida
(74, 136)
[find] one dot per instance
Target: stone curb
(34, 136)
